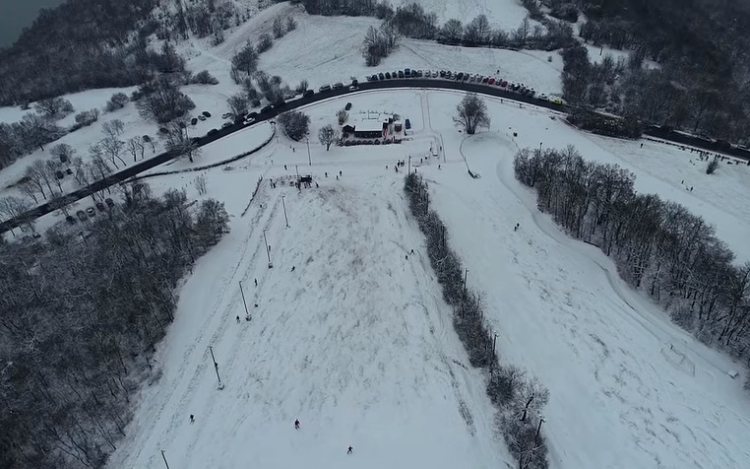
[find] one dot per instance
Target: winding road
(418, 83)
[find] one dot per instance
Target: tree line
(702, 83)
(82, 315)
(659, 247)
(414, 22)
(519, 400)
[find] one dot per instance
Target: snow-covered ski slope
(357, 344)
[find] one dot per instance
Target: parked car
(486, 80)
(401, 74)
(442, 73)
(557, 101)
(110, 203)
(201, 117)
(69, 171)
(254, 114)
(266, 109)
(81, 215)
(100, 206)
(374, 77)
(387, 75)
(348, 106)
(381, 76)
(355, 83)
(226, 115)
(212, 131)
(325, 88)
(460, 76)
(491, 81)
(193, 121)
(206, 113)
(338, 85)
(59, 174)
(308, 93)
(407, 124)
(407, 72)
(434, 74)
(90, 211)
(71, 219)
(225, 125)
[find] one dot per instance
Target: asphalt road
(429, 83)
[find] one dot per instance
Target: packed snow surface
(357, 344)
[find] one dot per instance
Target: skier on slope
(349, 451)
(296, 424)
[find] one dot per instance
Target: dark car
(266, 109)
(59, 174)
(100, 206)
(110, 203)
(442, 73)
(381, 76)
(325, 88)
(212, 131)
(69, 171)
(355, 82)
(407, 72)
(338, 85)
(254, 114)
(407, 124)
(401, 74)
(206, 113)
(71, 219)
(308, 93)
(420, 74)
(387, 75)
(374, 78)
(485, 79)
(81, 215)
(193, 121)
(348, 106)
(460, 76)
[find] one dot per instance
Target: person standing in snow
(238, 319)
(296, 424)
(256, 281)
(349, 451)
(192, 419)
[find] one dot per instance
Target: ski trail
(192, 369)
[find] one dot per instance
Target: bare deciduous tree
(238, 105)
(200, 184)
(472, 113)
(112, 147)
(327, 135)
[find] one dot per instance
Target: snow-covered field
(357, 344)
(505, 14)
(354, 342)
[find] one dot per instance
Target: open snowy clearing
(505, 14)
(628, 388)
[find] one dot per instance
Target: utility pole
(309, 160)
(408, 168)
(165, 459)
(247, 313)
(268, 250)
(540, 146)
(216, 367)
(466, 277)
(538, 428)
(283, 204)
(296, 169)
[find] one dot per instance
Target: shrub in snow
(117, 101)
(53, 108)
(264, 43)
(278, 28)
(295, 124)
(204, 78)
(87, 117)
(712, 166)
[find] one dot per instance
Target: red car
(504, 83)
(491, 81)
